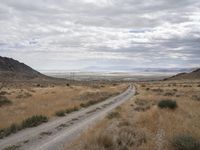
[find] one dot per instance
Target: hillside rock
(184, 76)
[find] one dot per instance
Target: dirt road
(55, 134)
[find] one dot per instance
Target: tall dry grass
(142, 125)
(50, 99)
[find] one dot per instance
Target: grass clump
(196, 97)
(4, 101)
(60, 113)
(7, 131)
(185, 142)
(12, 147)
(167, 104)
(113, 115)
(34, 121)
(69, 110)
(27, 123)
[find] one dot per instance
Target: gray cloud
(54, 33)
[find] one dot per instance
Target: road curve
(54, 135)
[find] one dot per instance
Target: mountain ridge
(184, 76)
(11, 68)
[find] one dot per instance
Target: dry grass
(142, 125)
(27, 102)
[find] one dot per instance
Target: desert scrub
(60, 113)
(113, 115)
(34, 121)
(7, 131)
(4, 101)
(167, 104)
(100, 141)
(12, 147)
(185, 142)
(69, 110)
(196, 97)
(169, 94)
(27, 123)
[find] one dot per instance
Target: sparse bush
(34, 121)
(147, 89)
(169, 94)
(157, 90)
(27, 123)
(101, 141)
(67, 84)
(38, 85)
(60, 113)
(185, 142)
(7, 131)
(167, 104)
(196, 97)
(173, 84)
(127, 137)
(113, 115)
(143, 85)
(14, 128)
(25, 95)
(92, 102)
(3, 93)
(69, 110)
(4, 101)
(12, 147)
(198, 85)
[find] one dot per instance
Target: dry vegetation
(20, 103)
(141, 124)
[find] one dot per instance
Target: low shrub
(167, 104)
(147, 89)
(185, 142)
(113, 115)
(4, 101)
(7, 131)
(196, 97)
(3, 93)
(169, 94)
(60, 113)
(157, 90)
(27, 123)
(34, 121)
(12, 147)
(69, 110)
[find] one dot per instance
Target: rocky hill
(186, 76)
(13, 69)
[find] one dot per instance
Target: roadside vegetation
(4, 101)
(147, 122)
(27, 123)
(89, 99)
(23, 101)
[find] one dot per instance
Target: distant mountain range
(11, 69)
(137, 70)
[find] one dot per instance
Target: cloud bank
(71, 35)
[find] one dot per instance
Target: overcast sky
(77, 34)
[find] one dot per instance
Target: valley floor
(26, 101)
(143, 124)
